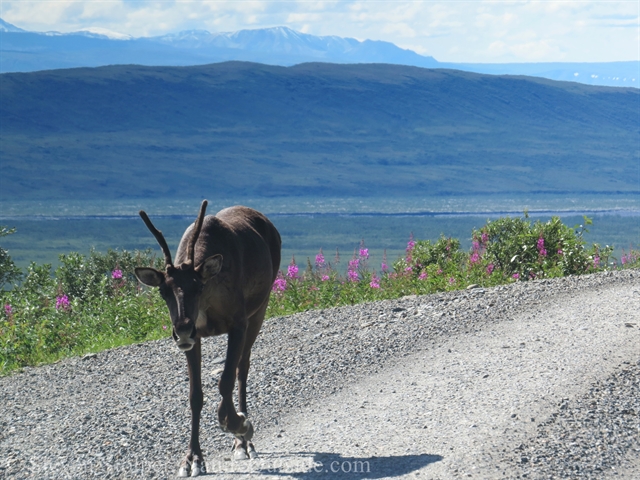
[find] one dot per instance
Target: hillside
(313, 129)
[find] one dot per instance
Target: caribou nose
(183, 337)
(185, 347)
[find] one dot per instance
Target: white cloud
(461, 31)
(536, 51)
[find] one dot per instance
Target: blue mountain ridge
(314, 129)
(24, 51)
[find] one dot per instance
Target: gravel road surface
(532, 380)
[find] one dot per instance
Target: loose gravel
(531, 380)
(592, 436)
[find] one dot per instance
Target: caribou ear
(149, 276)
(210, 267)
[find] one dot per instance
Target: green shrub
(524, 251)
(9, 272)
(444, 253)
(84, 277)
(90, 304)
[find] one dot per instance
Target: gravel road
(531, 380)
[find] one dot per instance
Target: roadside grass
(94, 302)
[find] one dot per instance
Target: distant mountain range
(236, 128)
(24, 51)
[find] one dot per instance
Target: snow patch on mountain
(103, 33)
(7, 27)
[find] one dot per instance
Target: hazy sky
(456, 31)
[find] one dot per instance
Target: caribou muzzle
(187, 345)
(184, 339)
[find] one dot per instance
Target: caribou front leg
(243, 448)
(193, 463)
(229, 419)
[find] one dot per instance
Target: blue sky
(454, 31)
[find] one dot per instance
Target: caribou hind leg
(193, 463)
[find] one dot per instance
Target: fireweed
(503, 251)
(77, 309)
(94, 302)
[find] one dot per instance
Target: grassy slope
(342, 130)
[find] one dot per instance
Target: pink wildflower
(423, 276)
(352, 275)
(292, 270)
(541, 248)
(354, 263)
(515, 276)
(485, 237)
(410, 247)
(452, 281)
(560, 252)
(8, 309)
(411, 244)
(409, 269)
(320, 263)
(364, 252)
(628, 257)
(280, 283)
(62, 303)
(490, 268)
(116, 274)
(164, 327)
(383, 266)
(375, 281)
(352, 269)
(475, 256)
(596, 261)
(325, 278)
(439, 271)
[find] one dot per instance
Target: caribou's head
(181, 286)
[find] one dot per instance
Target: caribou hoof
(251, 451)
(240, 454)
(244, 450)
(192, 468)
(198, 468)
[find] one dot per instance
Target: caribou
(219, 284)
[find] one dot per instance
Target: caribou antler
(196, 233)
(159, 237)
